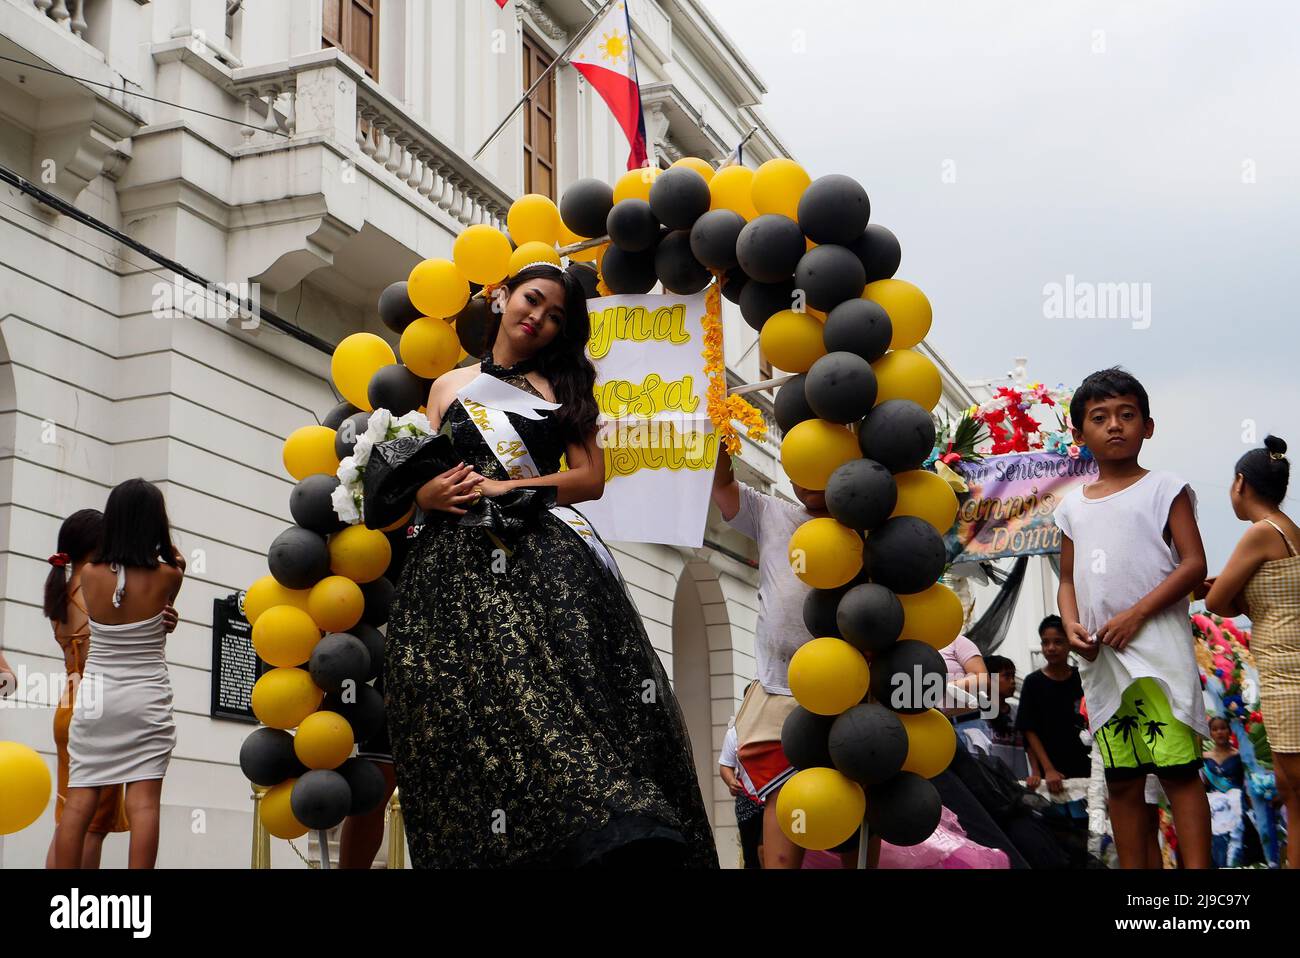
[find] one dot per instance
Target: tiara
(1277, 455)
(541, 262)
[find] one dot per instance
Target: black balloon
(339, 658)
(632, 227)
(677, 267)
(904, 810)
(311, 506)
(363, 707)
(790, 406)
(366, 783)
(761, 301)
(734, 282)
(626, 272)
(905, 554)
(805, 739)
(898, 434)
(869, 617)
(868, 743)
(334, 418)
(841, 387)
(473, 325)
(373, 640)
(829, 275)
(713, 238)
(267, 757)
(679, 197)
(819, 609)
(909, 677)
(345, 436)
(379, 596)
(769, 248)
(834, 209)
(858, 326)
(320, 799)
(397, 389)
(879, 252)
(585, 206)
(587, 277)
(298, 558)
(396, 310)
(861, 494)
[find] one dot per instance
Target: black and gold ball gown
(532, 722)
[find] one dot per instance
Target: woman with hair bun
(1262, 580)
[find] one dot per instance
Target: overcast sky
(1013, 144)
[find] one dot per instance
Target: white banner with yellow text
(658, 444)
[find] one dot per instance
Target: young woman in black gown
(532, 722)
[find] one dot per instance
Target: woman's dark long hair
(78, 539)
(137, 533)
(564, 360)
(1266, 470)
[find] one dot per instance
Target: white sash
(486, 404)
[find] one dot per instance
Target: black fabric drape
(991, 629)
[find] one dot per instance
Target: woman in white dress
(122, 730)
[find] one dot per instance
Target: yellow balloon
(815, 448)
(778, 185)
(283, 697)
(820, 808)
(635, 184)
(792, 341)
(909, 310)
(26, 787)
(906, 374)
(266, 593)
(277, 813)
(335, 603)
(482, 254)
(933, 616)
(359, 553)
(923, 494)
(931, 743)
(730, 189)
(309, 450)
(285, 636)
(825, 554)
(429, 347)
(323, 740)
(437, 288)
(530, 253)
(702, 167)
(533, 218)
(355, 360)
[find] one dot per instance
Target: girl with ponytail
(1262, 580)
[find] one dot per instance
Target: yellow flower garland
(723, 408)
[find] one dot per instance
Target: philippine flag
(606, 59)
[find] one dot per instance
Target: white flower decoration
(345, 506)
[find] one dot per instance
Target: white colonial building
(317, 149)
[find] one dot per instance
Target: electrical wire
(123, 90)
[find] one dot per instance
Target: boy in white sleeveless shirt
(1131, 554)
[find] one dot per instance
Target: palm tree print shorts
(1143, 737)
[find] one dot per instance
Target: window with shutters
(353, 27)
(539, 121)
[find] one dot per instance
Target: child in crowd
(1049, 716)
(1131, 554)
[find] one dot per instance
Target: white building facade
(325, 150)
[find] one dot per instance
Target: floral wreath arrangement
(1223, 650)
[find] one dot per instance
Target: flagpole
(562, 58)
(734, 155)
